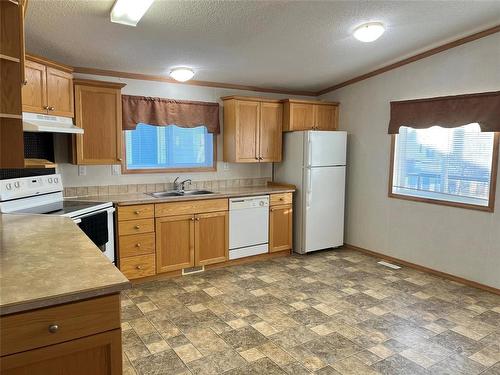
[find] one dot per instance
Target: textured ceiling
(302, 45)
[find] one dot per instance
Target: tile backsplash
(214, 185)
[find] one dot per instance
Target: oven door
(98, 226)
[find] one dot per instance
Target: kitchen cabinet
(196, 235)
(11, 78)
(98, 110)
(252, 129)
(309, 115)
(82, 337)
(175, 243)
(211, 238)
(280, 222)
(48, 87)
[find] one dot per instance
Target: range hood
(34, 122)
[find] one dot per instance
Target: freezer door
(323, 225)
(325, 148)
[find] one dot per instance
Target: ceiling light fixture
(369, 32)
(129, 12)
(182, 74)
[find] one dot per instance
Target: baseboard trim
(445, 275)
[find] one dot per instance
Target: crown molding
(159, 78)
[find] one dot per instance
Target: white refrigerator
(315, 162)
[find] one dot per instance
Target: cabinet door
(11, 143)
(35, 88)
(247, 131)
(174, 243)
(98, 112)
(211, 238)
(325, 117)
(60, 93)
(280, 228)
(301, 116)
(271, 124)
(99, 354)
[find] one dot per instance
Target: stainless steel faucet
(180, 186)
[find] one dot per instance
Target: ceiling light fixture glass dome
(369, 32)
(182, 74)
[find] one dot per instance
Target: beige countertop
(47, 260)
(136, 198)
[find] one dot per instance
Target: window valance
(162, 112)
(448, 112)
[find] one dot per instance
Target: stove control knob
(17, 184)
(56, 180)
(8, 186)
(261, 203)
(50, 180)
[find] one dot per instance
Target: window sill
(167, 170)
(476, 207)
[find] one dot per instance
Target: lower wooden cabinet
(280, 228)
(174, 243)
(211, 238)
(78, 338)
(191, 240)
(99, 354)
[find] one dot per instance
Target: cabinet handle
(137, 212)
(137, 227)
(46, 107)
(53, 328)
(139, 267)
(119, 159)
(282, 199)
(51, 108)
(137, 245)
(192, 219)
(197, 219)
(25, 82)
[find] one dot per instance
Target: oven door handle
(78, 219)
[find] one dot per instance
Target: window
(449, 166)
(158, 148)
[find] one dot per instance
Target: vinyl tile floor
(331, 312)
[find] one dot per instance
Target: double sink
(176, 193)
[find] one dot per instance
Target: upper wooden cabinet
(252, 129)
(98, 108)
(48, 87)
(310, 115)
(11, 78)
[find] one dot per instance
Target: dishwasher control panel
(248, 202)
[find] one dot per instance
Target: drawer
(34, 329)
(139, 211)
(281, 198)
(136, 244)
(138, 266)
(191, 207)
(136, 226)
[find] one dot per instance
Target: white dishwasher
(248, 226)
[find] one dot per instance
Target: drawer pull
(137, 227)
(53, 328)
(282, 199)
(137, 212)
(139, 267)
(137, 245)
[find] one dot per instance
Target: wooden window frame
(493, 182)
(125, 170)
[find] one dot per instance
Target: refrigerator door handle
(308, 188)
(309, 150)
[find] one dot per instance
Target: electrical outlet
(116, 170)
(225, 166)
(82, 170)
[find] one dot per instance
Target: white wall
(461, 242)
(101, 175)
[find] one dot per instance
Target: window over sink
(151, 148)
(455, 166)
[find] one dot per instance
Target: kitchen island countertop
(47, 260)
